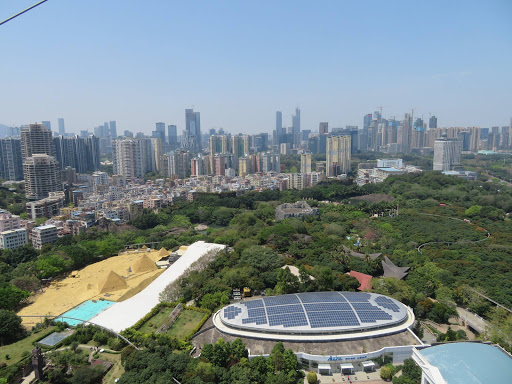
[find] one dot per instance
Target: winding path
(452, 242)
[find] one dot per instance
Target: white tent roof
(126, 313)
(346, 366)
(367, 364)
(324, 366)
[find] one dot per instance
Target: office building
(323, 128)
(446, 153)
(113, 129)
(36, 139)
(159, 132)
(192, 133)
(172, 135)
(11, 161)
(296, 136)
(44, 234)
(432, 122)
(13, 238)
(338, 155)
(62, 129)
(305, 162)
(279, 128)
(47, 124)
(42, 176)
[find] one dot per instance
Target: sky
(237, 62)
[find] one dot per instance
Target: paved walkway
(358, 377)
(28, 379)
(472, 319)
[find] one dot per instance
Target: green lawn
(16, 349)
(116, 371)
(156, 320)
(185, 323)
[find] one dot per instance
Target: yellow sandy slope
(115, 279)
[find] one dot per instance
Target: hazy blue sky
(237, 62)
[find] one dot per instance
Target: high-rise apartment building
(77, 152)
(62, 129)
(179, 164)
(42, 176)
(446, 153)
(338, 155)
(305, 162)
(192, 133)
(219, 144)
(133, 158)
(36, 139)
(11, 160)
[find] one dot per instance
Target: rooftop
(470, 363)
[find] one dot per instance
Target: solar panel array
(231, 312)
(316, 309)
(386, 302)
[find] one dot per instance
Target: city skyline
(338, 73)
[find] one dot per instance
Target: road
(472, 320)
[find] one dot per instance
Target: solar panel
(321, 297)
(387, 303)
(365, 307)
(327, 307)
(253, 303)
(256, 312)
(288, 320)
(355, 297)
(332, 319)
(231, 312)
(281, 300)
(373, 316)
(281, 309)
(258, 320)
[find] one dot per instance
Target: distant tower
(192, 133)
(172, 135)
(432, 122)
(62, 130)
(279, 127)
(47, 124)
(305, 162)
(446, 153)
(323, 128)
(113, 129)
(38, 363)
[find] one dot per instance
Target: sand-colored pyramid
(112, 282)
(163, 252)
(144, 264)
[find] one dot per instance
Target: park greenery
(431, 208)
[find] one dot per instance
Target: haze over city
(237, 63)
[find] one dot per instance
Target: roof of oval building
(315, 313)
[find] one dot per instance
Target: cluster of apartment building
(15, 232)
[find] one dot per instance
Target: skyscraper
(279, 127)
(192, 133)
(11, 162)
(47, 124)
(446, 153)
(323, 128)
(62, 130)
(159, 132)
(432, 122)
(338, 155)
(42, 176)
(296, 127)
(36, 138)
(172, 135)
(113, 129)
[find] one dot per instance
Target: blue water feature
(470, 363)
(86, 311)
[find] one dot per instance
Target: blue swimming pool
(86, 311)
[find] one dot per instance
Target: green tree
(11, 296)
(87, 375)
(11, 329)
(385, 373)
(261, 258)
(312, 378)
(238, 349)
